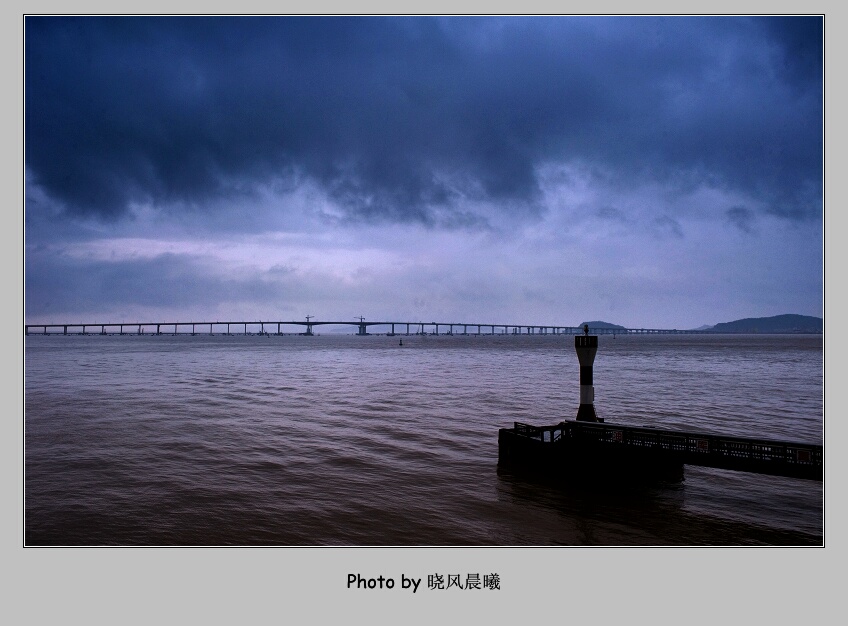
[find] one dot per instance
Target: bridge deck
(627, 447)
(363, 327)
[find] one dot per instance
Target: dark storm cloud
(742, 218)
(393, 117)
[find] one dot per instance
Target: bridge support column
(64, 330)
(586, 346)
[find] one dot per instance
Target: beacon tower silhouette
(586, 346)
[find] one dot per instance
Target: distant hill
(602, 325)
(778, 324)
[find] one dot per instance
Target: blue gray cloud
(398, 118)
(454, 167)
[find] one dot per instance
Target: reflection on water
(655, 513)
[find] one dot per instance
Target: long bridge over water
(301, 327)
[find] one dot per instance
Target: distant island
(598, 324)
(778, 324)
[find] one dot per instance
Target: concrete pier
(621, 452)
(593, 449)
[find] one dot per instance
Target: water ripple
(355, 441)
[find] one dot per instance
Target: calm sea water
(357, 441)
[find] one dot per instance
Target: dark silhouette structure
(586, 346)
(590, 447)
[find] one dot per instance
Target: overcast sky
(645, 171)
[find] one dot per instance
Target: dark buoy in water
(586, 346)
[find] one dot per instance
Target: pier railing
(783, 458)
